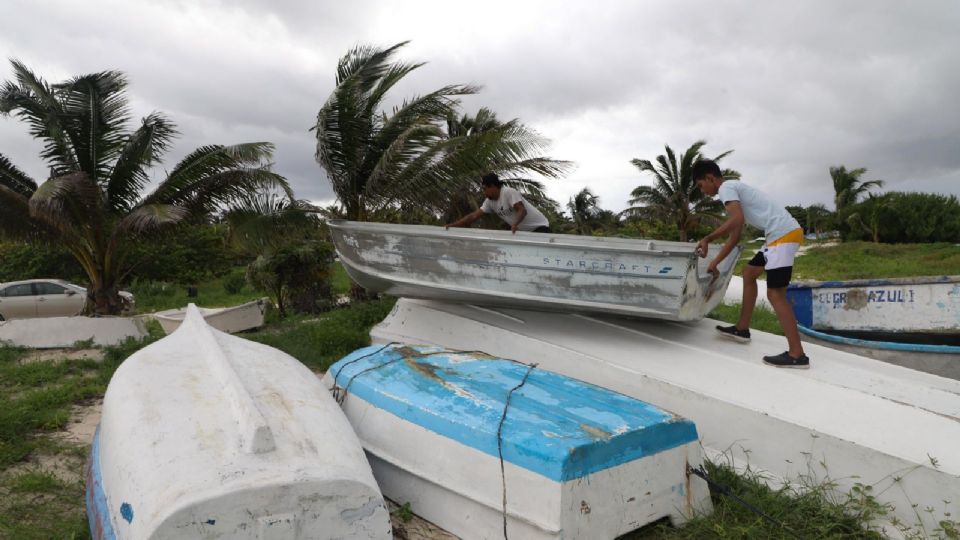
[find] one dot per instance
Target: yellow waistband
(793, 237)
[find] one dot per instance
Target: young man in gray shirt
(745, 204)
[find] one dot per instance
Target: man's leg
(788, 321)
(749, 300)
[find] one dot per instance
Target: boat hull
(228, 319)
(924, 305)
(849, 420)
(550, 272)
(205, 435)
(578, 461)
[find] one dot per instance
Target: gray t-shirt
(503, 207)
(758, 209)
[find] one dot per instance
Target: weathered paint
(57, 332)
(206, 435)
(918, 305)
(98, 513)
(541, 271)
(227, 319)
(849, 419)
(579, 461)
(557, 427)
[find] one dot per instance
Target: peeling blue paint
(126, 511)
(557, 427)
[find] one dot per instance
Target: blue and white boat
(903, 309)
(484, 446)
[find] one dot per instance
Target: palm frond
(14, 179)
(141, 150)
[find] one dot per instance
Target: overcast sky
(792, 87)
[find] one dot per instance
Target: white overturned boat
(206, 435)
(548, 272)
(578, 461)
(226, 319)
(848, 419)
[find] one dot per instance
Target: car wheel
(1, 317)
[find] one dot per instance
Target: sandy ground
(59, 355)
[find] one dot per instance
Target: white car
(46, 298)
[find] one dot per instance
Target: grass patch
(763, 319)
(157, 296)
(813, 512)
(340, 282)
(319, 341)
(866, 260)
(35, 400)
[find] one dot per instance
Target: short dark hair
(703, 167)
(491, 179)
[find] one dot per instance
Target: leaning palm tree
(848, 187)
(93, 202)
(584, 207)
(374, 158)
(377, 159)
(675, 197)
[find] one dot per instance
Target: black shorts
(777, 278)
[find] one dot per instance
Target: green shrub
(234, 281)
(899, 217)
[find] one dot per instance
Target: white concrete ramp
(851, 419)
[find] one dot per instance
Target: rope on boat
(340, 394)
(503, 474)
(725, 490)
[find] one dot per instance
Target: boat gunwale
(593, 243)
(877, 282)
(178, 314)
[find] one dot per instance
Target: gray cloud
(793, 88)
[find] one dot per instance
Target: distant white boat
(545, 272)
(569, 460)
(226, 319)
(205, 435)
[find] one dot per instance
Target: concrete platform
(58, 332)
(850, 419)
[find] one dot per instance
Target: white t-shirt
(503, 207)
(758, 209)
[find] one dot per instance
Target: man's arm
(466, 220)
(521, 211)
(732, 228)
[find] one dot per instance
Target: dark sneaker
(731, 332)
(785, 360)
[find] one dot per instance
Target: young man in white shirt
(745, 204)
(507, 203)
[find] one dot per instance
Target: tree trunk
(103, 300)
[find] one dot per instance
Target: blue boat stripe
(98, 513)
(557, 427)
(887, 345)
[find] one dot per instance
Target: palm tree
(375, 159)
(675, 197)
(848, 187)
(584, 207)
(92, 204)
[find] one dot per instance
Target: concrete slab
(58, 332)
